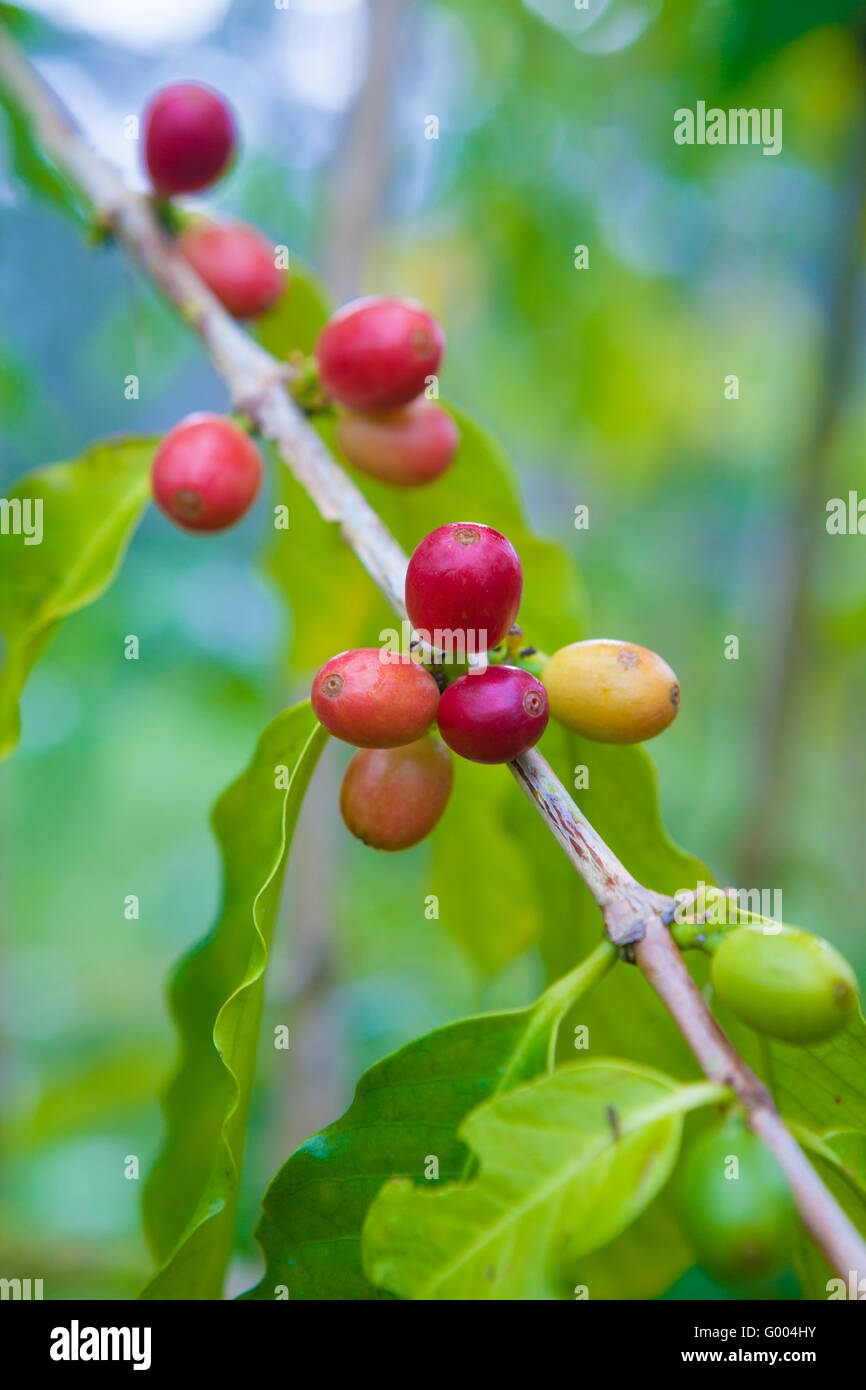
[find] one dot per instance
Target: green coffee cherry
(784, 982)
(735, 1205)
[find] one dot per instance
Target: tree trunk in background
(360, 173)
(789, 665)
(318, 1090)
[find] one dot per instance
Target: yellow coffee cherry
(613, 692)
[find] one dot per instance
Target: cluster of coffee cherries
(463, 589)
(190, 141)
(376, 359)
(376, 362)
(463, 580)
(207, 471)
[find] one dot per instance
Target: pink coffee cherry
(377, 353)
(205, 473)
(237, 264)
(189, 138)
(494, 715)
(392, 797)
(464, 578)
(374, 699)
(408, 446)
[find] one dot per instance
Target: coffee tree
(497, 1157)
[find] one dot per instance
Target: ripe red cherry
(494, 715)
(237, 264)
(377, 353)
(205, 473)
(392, 797)
(466, 579)
(374, 699)
(189, 138)
(407, 446)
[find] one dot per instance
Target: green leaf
(216, 999)
(823, 1085)
(643, 1262)
(89, 508)
(332, 603)
(495, 915)
(84, 1096)
(844, 1150)
(31, 166)
(840, 1158)
(567, 1163)
(406, 1107)
(293, 323)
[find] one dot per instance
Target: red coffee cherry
(189, 138)
(205, 473)
(374, 699)
(494, 715)
(392, 797)
(407, 446)
(466, 579)
(377, 353)
(237, 264)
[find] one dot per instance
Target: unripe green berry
(736, 1206)
(610, 691)
(392, 797)
(784, 982)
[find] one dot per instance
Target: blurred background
(606, 387)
